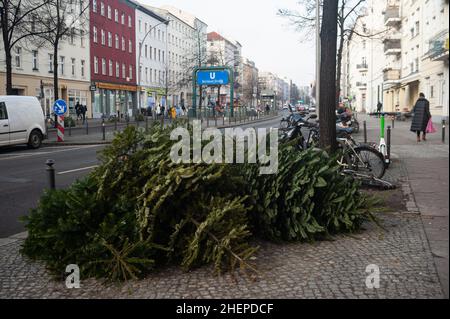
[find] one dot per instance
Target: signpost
(60, 108)
(213, 76)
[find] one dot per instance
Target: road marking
(25, 155)
(77, 170)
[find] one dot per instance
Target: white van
(21, 121)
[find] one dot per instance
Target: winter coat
(421, 115)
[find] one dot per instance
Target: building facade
(33, 68)
(249, 83)
(409, 56)
(151, 55)
(226, 52)
(113, 58)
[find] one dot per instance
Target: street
(23, 178)
(23, 171)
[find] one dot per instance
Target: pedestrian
(83, 112)
(379, 107)
(421, 117)
(78, 110)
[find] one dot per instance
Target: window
(103, 38)
(129, 21)
(140, 26)
(110, 68)
(50, 63)
(130, 46)
(35, 60)
(117, 70)
(131, 72)
(3, 112)
(95, 65)
(82, 38)
(73, 66)
(145, 51)
(109, 39)
(62, 61)
(83, 63)
(104, 66)
(151, 75)
(72, 36)
(163, 56)
(116, 15)
(123, 18)
(18, 57)
(151, 52)
(159, 55)
(117, 41)
(102, 9)
(123, 44)
(124, 75)
(109, 12)
(159, 34)
(94, 32)
(146, 74)
(94, 5)
(146, 27)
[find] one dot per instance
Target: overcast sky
(266, 38)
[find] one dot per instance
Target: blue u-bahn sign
(213, 78)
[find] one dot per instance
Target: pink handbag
(430, 127)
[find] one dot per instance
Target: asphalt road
(23, 175)
(23, 178)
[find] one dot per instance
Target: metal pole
(51, 173)
(103, 129)
(365, 131)
(388, 145)
(87, 127)
(70, 126)
(443, 131)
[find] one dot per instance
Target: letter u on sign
(212, 75)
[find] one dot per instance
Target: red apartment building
(113, 57)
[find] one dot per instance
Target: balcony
(392, 16)
(439, 47)
(362, 67)
(392, 46)
(391, 75)
(361, 85)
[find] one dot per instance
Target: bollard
(87, 127)
(388, 145)
(223, 119)
(103, 129)
(365, 131)
(443, 131)
(393, 122)
(51, 173)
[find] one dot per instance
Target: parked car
(21, 121)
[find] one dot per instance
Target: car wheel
(35, 140)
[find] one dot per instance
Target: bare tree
(349, 12)
(63, 21)
(19, 20)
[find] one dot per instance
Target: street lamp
(166, 22)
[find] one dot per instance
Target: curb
(13, 238)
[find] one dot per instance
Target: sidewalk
(94, 134)
(427, 166)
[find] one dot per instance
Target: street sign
(60, 107)
(213, 78)
(93, 87)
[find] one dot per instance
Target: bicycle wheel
(368, 161)
(284, 124)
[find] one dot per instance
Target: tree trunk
(55, 71)
(328, 76)
(9, 84)
(339, 63)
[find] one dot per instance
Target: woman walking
(421, 117)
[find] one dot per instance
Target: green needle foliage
(138, 211)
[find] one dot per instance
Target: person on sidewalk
(421, 117)
(379, 107)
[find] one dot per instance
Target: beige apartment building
(413, 57)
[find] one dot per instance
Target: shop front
(114, 100)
